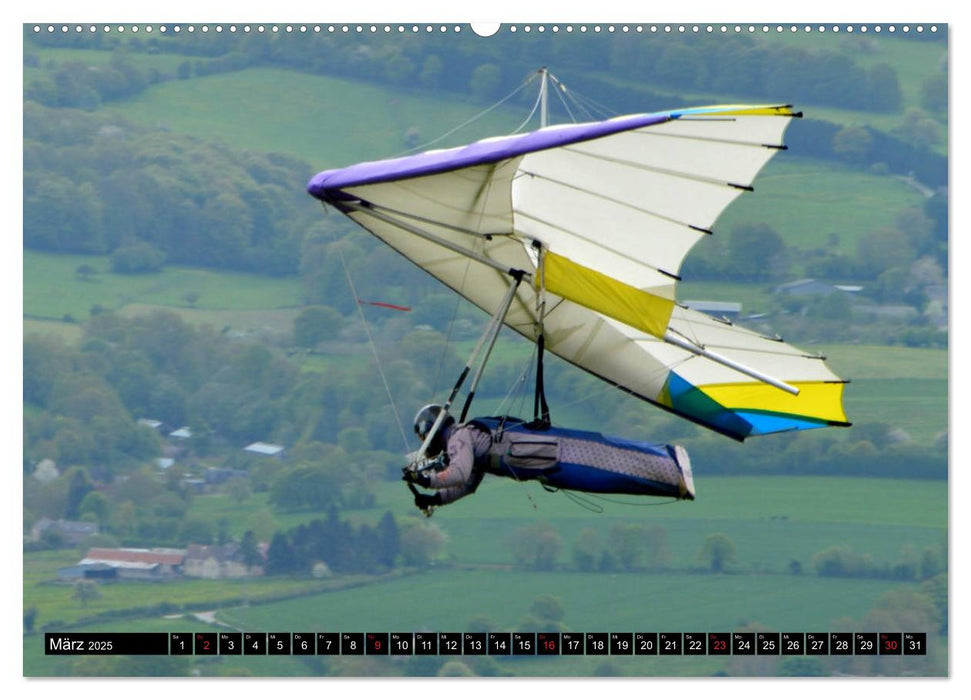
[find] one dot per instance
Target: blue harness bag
(579, 460)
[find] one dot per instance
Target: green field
(594, 602)
(327, 122)
(772, 520)
(806, 200)
(165, 63)
(902, 387)
(53, 289)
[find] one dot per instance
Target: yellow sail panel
(595, 290)
(779, 111)
(816, 400)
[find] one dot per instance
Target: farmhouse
(215, 561)
(144, 564)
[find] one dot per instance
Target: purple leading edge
(327, 184)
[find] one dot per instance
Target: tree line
(743, 65)
(457, 61)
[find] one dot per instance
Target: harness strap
(541, 409)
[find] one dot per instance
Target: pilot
(467, 449)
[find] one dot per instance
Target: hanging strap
(541, 409)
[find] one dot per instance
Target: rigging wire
(559, 94)
(448, 333)
(374, 350)
(478, 116)
(588, 105)
(518, 387)
(539, 98)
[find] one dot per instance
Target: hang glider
(598, 218)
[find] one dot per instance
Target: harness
(520, 450)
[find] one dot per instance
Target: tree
(548, 610)
(354, 440)
(918, 129)
(431, 72)
(881, 250)
(196, 530)
(933, 93)
(249, 551)
(311, 486)
(537, 546)
(238, 489)
(883, 88)
(280, 557)
(389, 540)
(485, 81)
(86, 591)
(626, 543)
(79, 486)
(315, 324)
(718, 552)
(96, 505)
(139, 258)
(852, 144)
(421, 543)
(84, 272)
(586, 550)
(756, 252)
(30, 616)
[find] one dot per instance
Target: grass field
(53, 289)
(771, 520)
(453, 600)
(806, 200)
(903, 387)
(55, 603)
(593, 602)
(327, 122)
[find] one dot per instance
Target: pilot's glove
(424, 500)
(418, 478)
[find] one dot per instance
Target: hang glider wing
(599, 217)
